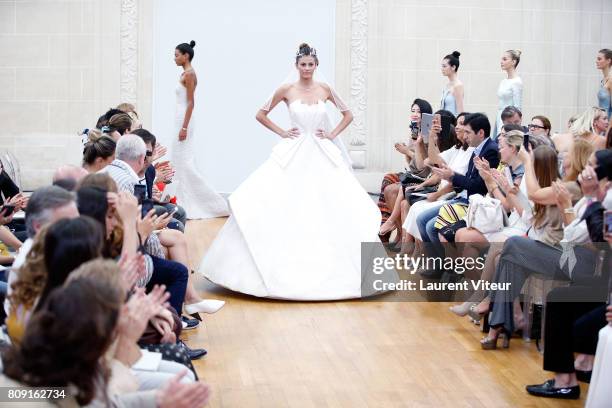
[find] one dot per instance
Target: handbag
(407, 178)
(419, 195)
(450, 219)
(486, 214)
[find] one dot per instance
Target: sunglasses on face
(149, 153)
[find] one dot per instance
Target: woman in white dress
(192, 192)
(510, 90)
(298, 221)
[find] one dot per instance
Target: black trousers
(571, 326)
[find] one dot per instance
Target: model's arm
(262, 114)
(458, 93)
(190, 85)
(347, 116)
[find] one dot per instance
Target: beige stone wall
(60, 66)
(59, 69)
(408, 38)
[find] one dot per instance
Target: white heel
(209, 306)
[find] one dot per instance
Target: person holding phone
(391, 186)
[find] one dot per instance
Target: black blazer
(149, 179)
(472, 182)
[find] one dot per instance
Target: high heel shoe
(196, 316)
(209, 306)
(387, 230)
(474, 315)
(488, 343)
(462, 309)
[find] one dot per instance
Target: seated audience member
(584, 128)
(391, 186)
(98, 152)
(477, 129)
(56, 251)
(151, 178)
(600, 123)
(129, 354)
(67, 340)
(68, 176)
(10, 195)
(575, 314)
(105, 118)
(131, 111)
(539, 132)
(129, 162)
(544, 220)
(45, 206)
(172, 273)
(511, 115)
(522, 257)
(395, 220)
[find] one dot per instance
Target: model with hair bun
(298, 221)
(192, 193)
(452, 94)
(510, 90)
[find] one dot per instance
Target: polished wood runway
(265, 353)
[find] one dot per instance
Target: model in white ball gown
(193, 193)
(297, 223)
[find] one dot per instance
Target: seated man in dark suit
(477, 130)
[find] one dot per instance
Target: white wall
(244, 51)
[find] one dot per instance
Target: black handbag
(419, 194)
(449, 231)
(407, 178)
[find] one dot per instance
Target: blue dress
(448, 101)
(603, 98)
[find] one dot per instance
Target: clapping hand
(563, 196)
(159, 152)
(444, 172)
(402, 148)
(139, 309)
(291, 133)
(183, 395)
(132, 268)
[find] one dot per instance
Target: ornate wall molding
(359, 71)
(129, 51)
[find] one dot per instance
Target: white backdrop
(244, 50)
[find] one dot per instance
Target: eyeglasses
(532, 126)
(149, 153)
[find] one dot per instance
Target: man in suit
(477, 131)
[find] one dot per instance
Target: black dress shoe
(193, 354)
(189, 324)
(584, 376)
(548, 390)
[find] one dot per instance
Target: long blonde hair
(583, 125)
(578, 156)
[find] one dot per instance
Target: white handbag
(486, 214)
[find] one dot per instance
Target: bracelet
(569, 210)
(183, 128)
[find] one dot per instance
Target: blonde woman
(584, 128)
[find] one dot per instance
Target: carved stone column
(129, 51)
(359, 82)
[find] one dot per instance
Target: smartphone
(445, 122)
(140, 192)
(426, 123)
(414, 130)
(526, 141)
(7, 210)
(607, 222)
(147, 205)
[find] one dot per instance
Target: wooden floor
(265, 353)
